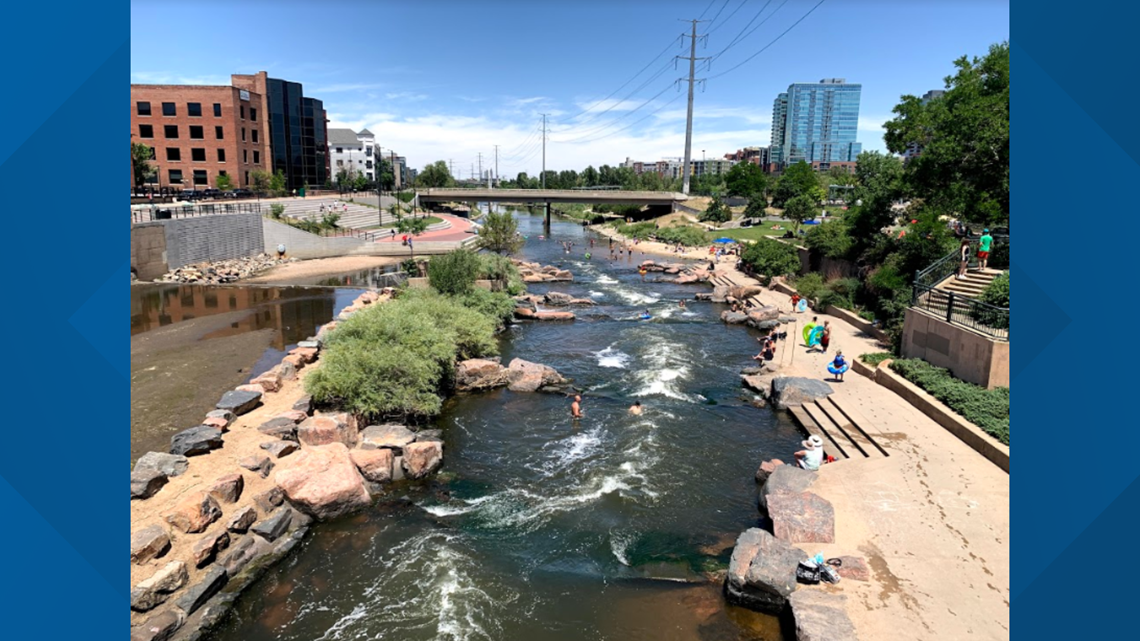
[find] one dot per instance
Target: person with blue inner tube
(838, 366)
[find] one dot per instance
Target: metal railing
(963, 311)
(168, 212)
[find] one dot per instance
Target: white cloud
(167, 78)
(872, 123)
(406, 96)
(346, 86)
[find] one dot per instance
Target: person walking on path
(576, 408)
(984, 249)
(825, 338)
(811, 457)
(963, 258)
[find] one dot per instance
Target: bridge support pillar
(546, 219)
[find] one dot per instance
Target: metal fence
(959, 309)
(167, 212)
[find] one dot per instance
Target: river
(541, 528)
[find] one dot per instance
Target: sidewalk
(457, 232)
(931, 520)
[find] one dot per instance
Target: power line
(774, 41)
(597, 115)
(729, 17)
(623, 85)
(740, 36)
(713, 21)
(596, 130)
(617, 131)
(706, 9)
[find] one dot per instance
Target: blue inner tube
(834, 370)
(645, 317)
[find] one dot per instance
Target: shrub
(831, 239)
(454, 273)
(988, 409)
(640, 231)
(497, 306)
(771, 258)
(500, 268)
(394, 359)
(276, 209)
(329, 221)
(411, 225)
(809, 285)
(875, 358)
(999, 257)
(996, 294)
(686, 235)
(716, 212)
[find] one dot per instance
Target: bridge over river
(552, 196)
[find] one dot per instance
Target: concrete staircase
(973, 285)
(846, 433)
(356, 217)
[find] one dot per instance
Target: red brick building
(199, 132)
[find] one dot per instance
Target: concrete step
(830, 446)
(865, 441)
(848, 411)
(852, 446)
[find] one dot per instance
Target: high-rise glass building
(816, 122)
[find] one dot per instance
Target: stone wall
(970, 356)
(148, 250)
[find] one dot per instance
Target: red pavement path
(458, 231)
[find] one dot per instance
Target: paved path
(932, 519)
(458, 231)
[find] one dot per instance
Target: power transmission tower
(496, 165)
(451, 165)
(544, 151)
(692, 58)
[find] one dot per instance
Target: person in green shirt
(984, 248)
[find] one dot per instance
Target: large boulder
(790, 479)
(228, 488)
(766, 469)
(554, 316)
(422, 458)
(762, 572)
(326, 429)
(821, 616)
(478, 374)
(765, 313)
(146, 482)
(279, 449)
(194, 513)
(801, 517)
(530, 377)
(242, 519)
(154, 590)
(557, 299)
(159, 627)
(149, 542)
(207, 586)
(744, 292)
(394, 437)
(323, 481)
(789, 391)
(562, 275)
(239, 402)
(282, 427)
(276, 524)
(720, 293)
(169, 464)
(374, 465)
(206, 549)
(733, 318)
(196, 440)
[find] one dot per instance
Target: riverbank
(931, 519)
(239, 491)
(296, 271)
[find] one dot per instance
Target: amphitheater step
(830, 446)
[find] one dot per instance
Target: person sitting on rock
(811, 457)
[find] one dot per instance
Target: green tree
(260, 180)
(386, 176)
(276, 209)
(798, 180)
(499, 233)
(589, 176)
(412, 225)
(454, 273)
(140, 162)
(964, 137)
(435, 175)
(880, 184)
(224, 182)
(831, 239)
(757, 206)
(717, 212)
(745, 179)
(278, 184)
(800, 208)
(769, 258)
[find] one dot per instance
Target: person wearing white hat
(811, 457)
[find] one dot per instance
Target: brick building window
(218, 133)
(170, 131)
(243, 134)
(254, 134)
(247, 177)
(256, 157)
(253, 114)
(168, 109)
(143, 108)
(222, 157)
(153, 153)
(245, 155)
(194, 109)
(197, 133)
(217, 110)
(243, 112)
(198, 155)
(200, 177)
(173, 153)
(146, 131)
(175, 176)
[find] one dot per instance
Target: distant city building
(816, 122)
(914, 149)
(755, 155)
(349, 150)
(200, 132)
(711, 167)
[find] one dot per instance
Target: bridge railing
(171, 211)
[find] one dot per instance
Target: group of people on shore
(985, 243)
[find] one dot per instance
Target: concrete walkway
(459, 231)
(931, 519)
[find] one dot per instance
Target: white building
(352, 154)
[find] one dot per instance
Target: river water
(539, 527)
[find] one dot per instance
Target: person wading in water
(576, 408)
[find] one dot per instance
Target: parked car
(191, 194)
(211, 193)
(240, 193)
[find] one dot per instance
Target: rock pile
(535, 273)
(223, 271)
(520, 376)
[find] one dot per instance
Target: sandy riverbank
(292, 272)
(653, 247)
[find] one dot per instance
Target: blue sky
(447, 80)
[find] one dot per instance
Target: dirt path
(292, 272)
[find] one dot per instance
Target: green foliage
(395, 359)
(880, 184)
(140, 162)
(800, 208)
(757, 206)
(964, 135)
(406, 196)
(500, 268)
(494, 305)
(996, 294)
(277, 183)
(746, 180)
(840, 293)
(411, 267)
(412, 225)
(988, 409)
(809, 285)
(771, 258)
(260, 179)
(875, 358)
(435, 175)
(500, 233)
(685, 235)
(797, 180)
(717, 212)
(224, 182)
(275, 210)
(640, 231)
(831, 239)
(329, 221)
(454, 273)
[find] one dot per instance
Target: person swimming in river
(681, 303)
(576, 408)
(635, 409)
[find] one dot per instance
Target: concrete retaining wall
(148, 250)
(209, 238)
(302, 244)
(970, 356)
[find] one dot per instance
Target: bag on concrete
(828, 573)
(808, 572)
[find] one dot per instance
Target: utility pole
(496, 179)
(544, 151)
(692, 58)
(480, 166)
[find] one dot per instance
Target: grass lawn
(750, 233)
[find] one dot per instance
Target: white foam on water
(665, 370)
(606, 279)
(610, 357)
(594, 294)
(620, 543)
